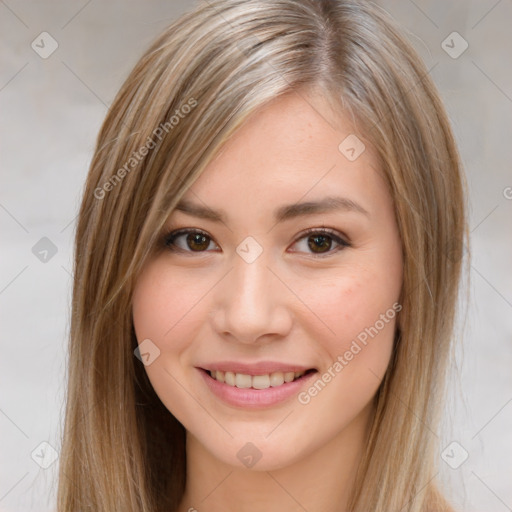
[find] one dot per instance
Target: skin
(287, 305)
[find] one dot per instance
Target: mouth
(255, 389)
(260, 382)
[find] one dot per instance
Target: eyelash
(169, 238)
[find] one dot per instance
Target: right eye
(195, 241)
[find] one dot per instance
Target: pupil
(316, 238)
(197, 237)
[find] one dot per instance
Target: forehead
(286, 152)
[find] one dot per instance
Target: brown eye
(319, 242)
(197, 241)
(194, 241)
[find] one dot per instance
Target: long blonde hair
(192, 89)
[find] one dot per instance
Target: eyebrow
(282, 213)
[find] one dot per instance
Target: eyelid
(172, 234)
(338, 237)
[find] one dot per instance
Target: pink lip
(261, 368)
(249, 398)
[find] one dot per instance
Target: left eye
(319, 241)
(322, 239)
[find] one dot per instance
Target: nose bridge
(250, 283)
(249, 300)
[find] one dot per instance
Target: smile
(244, 381)
(257, 391)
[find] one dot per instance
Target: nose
(251, 303)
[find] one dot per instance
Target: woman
(268, 255)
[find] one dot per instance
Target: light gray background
(51, 111)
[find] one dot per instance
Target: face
(275, 320)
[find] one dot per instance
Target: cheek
(349, 304)
(163, 312)
(360, 309)
(151, 305)
(164, 306)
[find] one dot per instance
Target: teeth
(276, 379)
(289, 376)
(229, 378)
(241, 380)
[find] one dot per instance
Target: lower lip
(255, 398)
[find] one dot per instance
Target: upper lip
(260, 368)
